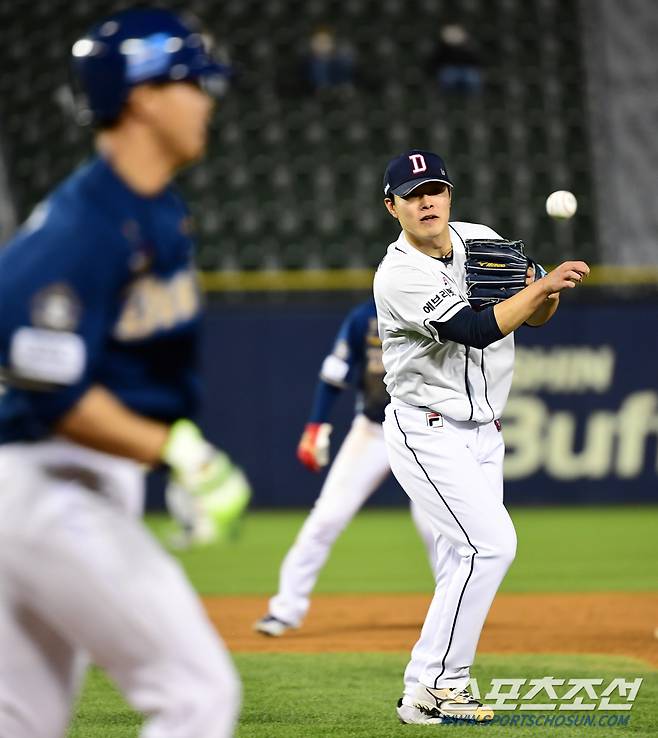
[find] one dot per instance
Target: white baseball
(561, 204)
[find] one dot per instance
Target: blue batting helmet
(133, 47)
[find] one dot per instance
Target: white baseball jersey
(412, 290)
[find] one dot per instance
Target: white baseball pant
(81, 578)
(453, 471)
(360, 466)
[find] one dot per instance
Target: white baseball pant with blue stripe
(453, 472)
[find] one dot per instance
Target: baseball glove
(495, 270)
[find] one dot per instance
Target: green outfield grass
(353, 696)
(581, 549)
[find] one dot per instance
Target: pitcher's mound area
(608, 623)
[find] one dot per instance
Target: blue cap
(137, 46)
(412, 169)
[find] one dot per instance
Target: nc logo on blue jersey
(155, 303)
(147, 57)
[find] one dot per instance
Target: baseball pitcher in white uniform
(448, 372)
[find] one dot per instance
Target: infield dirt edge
(622, 624)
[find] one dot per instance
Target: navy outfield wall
(580, 427)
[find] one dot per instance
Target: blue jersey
(98, 287)
(356, 359)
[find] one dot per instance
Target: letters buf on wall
(580, 426)
(582, 419)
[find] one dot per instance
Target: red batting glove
(313, 448)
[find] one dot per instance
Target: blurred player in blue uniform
(99, 327)
(361, 464)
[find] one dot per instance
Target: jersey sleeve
(473, 230)
(417, 299)
(60, 286)
(485, 231)
(340, 367)
(324, 400)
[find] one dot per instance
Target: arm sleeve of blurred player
(340, 368)
(56, 311)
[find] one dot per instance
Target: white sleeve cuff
(334, 370)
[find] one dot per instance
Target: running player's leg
(40, 673)
(442, 475)
(108, 589)
(358, 469)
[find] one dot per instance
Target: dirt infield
(605, 623)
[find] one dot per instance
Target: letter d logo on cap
(418, 160)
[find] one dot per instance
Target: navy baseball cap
(412, 169)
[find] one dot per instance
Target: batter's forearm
(100, 421)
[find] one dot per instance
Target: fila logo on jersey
(418, 160)
(434, 420)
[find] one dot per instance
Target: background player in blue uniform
(361, 464)
(99, 324)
